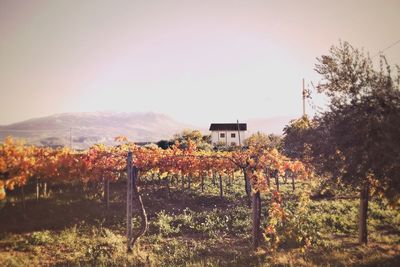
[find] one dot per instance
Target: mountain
(269, 125)
(87, 128)
(81, 130)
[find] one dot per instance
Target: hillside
(85, 129)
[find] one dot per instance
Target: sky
(197, 61)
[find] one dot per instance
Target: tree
(164, 144)
(356, 141)
(195, 136)
(262, 140)
(294, 140)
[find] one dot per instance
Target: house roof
(228, 127)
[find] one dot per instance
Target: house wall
(215, 137)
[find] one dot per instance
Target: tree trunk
(142, 213)
(267, 178)
(363, 215)
(247, 187)
(293, 185)
(23, 202)
(189, 181)
(220, 187)
(213, 178)
(256, 206)
(106, 192)
(168, 187)
(202, 183)
(174, 180)
(183, 182)
(277, 182)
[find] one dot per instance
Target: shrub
(40, 238)
(166, 224)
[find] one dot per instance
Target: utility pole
(70, 138)
(304, 100)
(240, 144)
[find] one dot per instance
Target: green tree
(165, 144)
(294, 140)
(263, 140)
(356, 141)
(202, 142)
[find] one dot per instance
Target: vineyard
(147, 205)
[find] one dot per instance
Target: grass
(72, 227)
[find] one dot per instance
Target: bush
(40, 238)
(166, 224)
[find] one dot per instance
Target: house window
(233, 135)
(233, 144)
(221, 135)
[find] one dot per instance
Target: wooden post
(256, 208)
(133, 184)
(220, 187)
(45, 189)
(129, 202)
(363, 215)
(37, 189)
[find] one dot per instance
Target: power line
(390, 46)
(304, 100)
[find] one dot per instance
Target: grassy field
(71, 227)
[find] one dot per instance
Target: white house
(229, 134)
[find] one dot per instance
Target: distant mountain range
(84, 129)
(81, 130)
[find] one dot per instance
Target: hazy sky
(198, 61)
